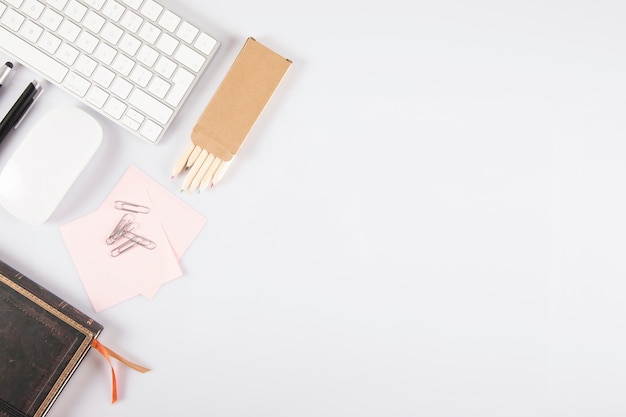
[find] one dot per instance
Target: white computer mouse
(46, 163)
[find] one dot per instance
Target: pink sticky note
(170, 224)
(180, 222)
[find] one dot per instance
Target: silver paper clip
(124, 225)
(118, 250)
(140, 240)
(131, 207)
(132, 241)
(124, 228)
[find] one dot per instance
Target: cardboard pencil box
(239, 100)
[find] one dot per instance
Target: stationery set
(130, 246)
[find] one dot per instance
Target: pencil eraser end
(47, 162)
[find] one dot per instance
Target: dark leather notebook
(42, 341)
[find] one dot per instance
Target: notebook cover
(42, 342)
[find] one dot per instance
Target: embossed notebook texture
(42, 341)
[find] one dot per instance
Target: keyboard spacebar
(32, 57)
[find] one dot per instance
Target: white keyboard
(134, 61)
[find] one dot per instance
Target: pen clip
(39, 89)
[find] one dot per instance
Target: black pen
(6, 70)
(19, 109)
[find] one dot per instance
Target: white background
(428, 220)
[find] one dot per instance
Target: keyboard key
(169, 21)
(205, 43)
(93, 22)
(30, 31)
(69, 30)
(103, 76)
(135, 115)
(105, 53)
(67, 54)
(149, 32)
(167, 44)
(132, 124)
(182, 81)
(87, 42)
(190, 58)
(131, 21)
(151, 10)
(96, 4)
(147, 55)
(151, 130)
(85, 65)
(187, 32)
(115, 108)
(121, 88)
(51, 19)
(133, 3)
(165, 67)
(97, 96)
(76, 84)
(75, 11)
(129, 44)
(159, 87)
(111, 33)
(113, 10)
(33, 9)
(141, 76)
(149, 105)
(123, 64)
(57, 4)
(12, 19)
(49, 43)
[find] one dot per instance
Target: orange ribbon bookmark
(108, 353)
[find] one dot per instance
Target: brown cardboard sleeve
(239, 100)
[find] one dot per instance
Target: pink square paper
(171, 224)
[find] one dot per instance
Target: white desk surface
(428, 220)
